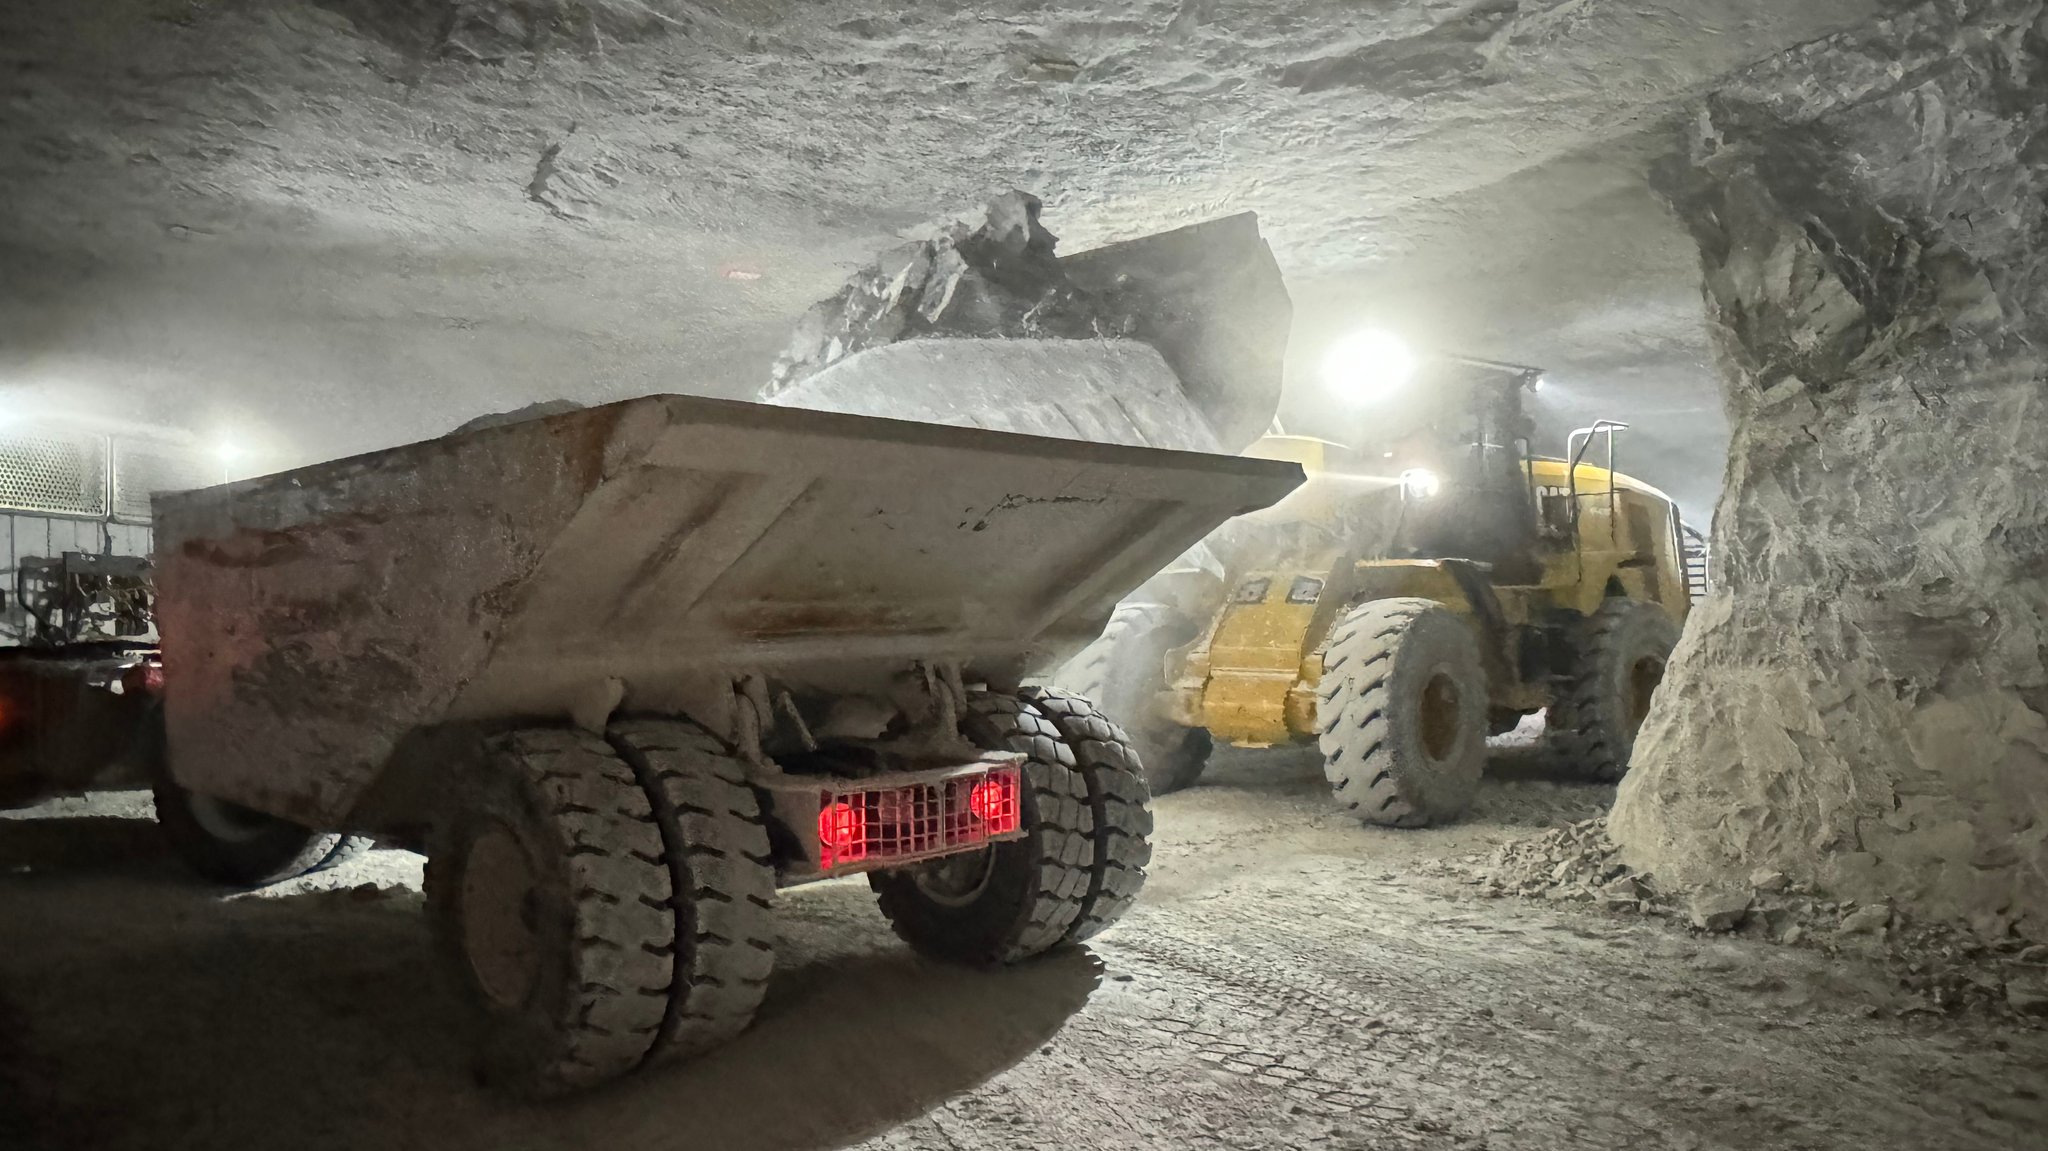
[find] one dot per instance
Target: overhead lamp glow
(229, 455)
(1420, 483)
(1368, 366)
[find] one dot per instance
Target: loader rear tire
(1019, 898)
(723, 877)
(236, 846)
(1124, 671)
(1117, 802)
(549, 890)
(1401, 709)
(1623, 650)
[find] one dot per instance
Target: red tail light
(144, 679)
(994, 802)
(866, 827)
(842, 834)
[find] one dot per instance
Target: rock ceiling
(327, 227)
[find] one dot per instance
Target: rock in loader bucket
(1173, 340)
(625, 670)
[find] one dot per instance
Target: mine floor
(1291, 980)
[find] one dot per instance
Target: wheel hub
(1643, 677)
(1439, 717)
(498, 934)
(957, 880)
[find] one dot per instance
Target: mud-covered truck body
(623, 671)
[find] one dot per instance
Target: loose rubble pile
(1952, 967)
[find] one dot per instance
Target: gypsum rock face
(1863, 704)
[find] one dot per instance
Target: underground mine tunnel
(771, 576)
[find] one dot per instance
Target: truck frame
(622, 672)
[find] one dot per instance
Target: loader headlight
(1368, 366)
(1420, 483)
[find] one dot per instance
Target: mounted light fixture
(1420, 483)
(1369, 366)
(229, 454)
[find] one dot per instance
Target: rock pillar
(1863, 703)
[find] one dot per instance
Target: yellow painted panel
(1248, 708)
(1254, 659)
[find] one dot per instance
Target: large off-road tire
(233, 845)
(723, 877)
(549, 888)
(1117, 802)
(1402, 712)
(1623, 649)
(1015, 899)
(1124, 671)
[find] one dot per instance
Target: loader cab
(1608, 535)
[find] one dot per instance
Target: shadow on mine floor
(138, 1009)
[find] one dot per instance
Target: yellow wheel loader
(1431, 586)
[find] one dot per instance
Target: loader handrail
(1576, 451)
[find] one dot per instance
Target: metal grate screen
(143, 468)
(54, 473)
(896, 825)
(1698, 566)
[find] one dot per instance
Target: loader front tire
(549, 891)
(1118, 803)
(1623, 649)
(1401, 711)
(1124, 671)
(1019, 898)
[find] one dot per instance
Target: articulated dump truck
(623, 672)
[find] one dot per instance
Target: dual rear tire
(1076, 871)
(607, 902)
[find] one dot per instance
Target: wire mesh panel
(53, 473)
(142, 468)
(863, 827)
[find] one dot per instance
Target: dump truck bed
(628, 554)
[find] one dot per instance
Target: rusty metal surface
(315, 617)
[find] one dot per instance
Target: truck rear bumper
(844, 826)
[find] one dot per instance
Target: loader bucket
(1200, 315)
